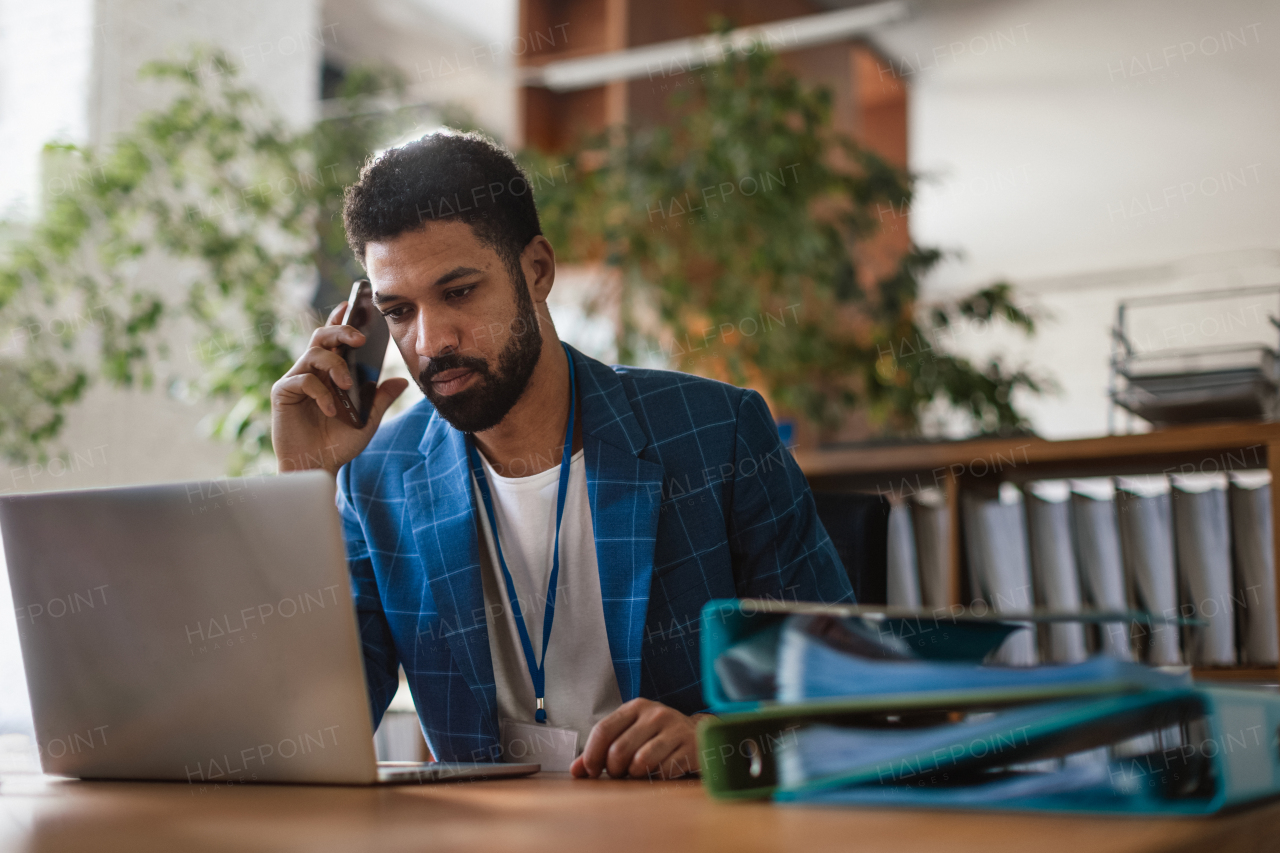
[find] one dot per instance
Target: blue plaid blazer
(693, 497)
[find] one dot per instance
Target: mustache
(452, 361)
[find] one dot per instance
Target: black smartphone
(363, 362)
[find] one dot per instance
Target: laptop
(197, 632)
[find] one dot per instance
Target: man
(642, 494)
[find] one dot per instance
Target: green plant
(194, 225)
(214, 190)
(747, 224)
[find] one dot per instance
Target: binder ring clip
(757, 759)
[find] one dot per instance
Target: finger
(292, 390)
(595, 753)
(388, 393)
(336, 315)
(624, 747)
(332, 337)
(682, 762)
(578, 769)
(323, 362)
(649, 758)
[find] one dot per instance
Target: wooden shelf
(1269, 675)
(954, 466)
(1229, 446)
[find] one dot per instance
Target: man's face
(467, 331)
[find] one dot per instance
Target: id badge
(535, 743)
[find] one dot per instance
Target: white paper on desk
(537, 743)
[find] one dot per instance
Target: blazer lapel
(442, 516)
(625, 493)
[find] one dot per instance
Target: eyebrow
(450, 276)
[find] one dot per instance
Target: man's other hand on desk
(641, 739)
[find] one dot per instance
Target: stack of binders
(839, 704)
(1195, 546)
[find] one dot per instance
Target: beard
(496, 390)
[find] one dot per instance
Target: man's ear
(538, 260)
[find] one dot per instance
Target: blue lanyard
(536, 671)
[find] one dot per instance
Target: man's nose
(434, 339)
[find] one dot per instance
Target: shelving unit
(955, 466)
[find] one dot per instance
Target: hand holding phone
(364, 362)
(327, 407)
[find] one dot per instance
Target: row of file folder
(1177, 550)
(885, 707)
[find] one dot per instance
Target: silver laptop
(201, 632)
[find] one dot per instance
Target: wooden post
(1273, 465)
(615, 38)
(952, 491)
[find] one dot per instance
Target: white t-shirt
(581, 686)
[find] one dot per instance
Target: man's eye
(396, 313)
(459, 292)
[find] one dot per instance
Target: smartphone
(363, 362)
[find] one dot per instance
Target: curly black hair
(465, 177)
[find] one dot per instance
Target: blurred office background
(1086, 153)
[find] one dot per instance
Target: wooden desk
(549, 812)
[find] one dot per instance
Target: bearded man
(533, 542)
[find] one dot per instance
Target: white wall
(46, 55)
(1089, 151)
(278, 45)
(68, 69)
(447, 54)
